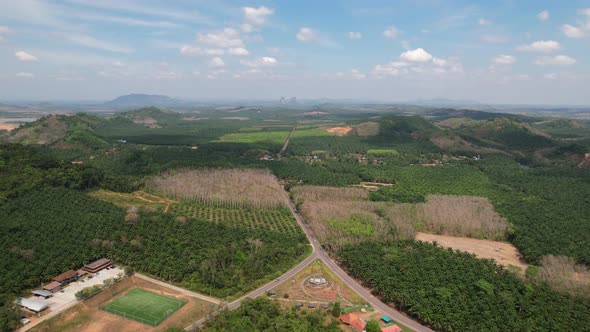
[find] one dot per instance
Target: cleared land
(87, 316)
(340, 216)
(8, 126)
(234, 188)
(144, 306)
(340, 131)
(504, 253)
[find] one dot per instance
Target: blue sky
(506, 51)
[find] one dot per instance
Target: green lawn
(145, 307)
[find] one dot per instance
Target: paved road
(319, 253)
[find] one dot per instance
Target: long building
(97, 265)
(66, 277)
(33, 305)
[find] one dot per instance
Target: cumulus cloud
(504, 59)
(354, 35)
(391, 32)
(265, 61)
(238, 51)
(544, 15)
(24, 56)
(25, 75)
(257, 16)
(542, 46)
(581, 29)
(483, 21)
(494, 39)
(196, 51)
(417, 55)
(558, 60)
(306, 34)
(216, 62)
(225, 38)
(5, 30)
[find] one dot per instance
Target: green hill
(60, 131)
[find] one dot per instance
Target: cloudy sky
(504, 51)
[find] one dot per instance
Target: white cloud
(558, 60)
(425, 31)
(5, 30)
(216, 62)
(306, 34)
(196, 51)
(544, 15)
(542, 46)
(225, 38)
(265, 61)
(504, 59)
(2, 39)
(417, 55)
(483, 21)
(494, 39)
(391, 32)
(581, 29)
(24, 56)
(439, 62)
(354, 35)
(25, 75)
(238, 51)
(257, 16)
(247, 27)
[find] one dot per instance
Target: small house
(391, 328)
(298, 305)
(53, 287)
(354, 321)
(325, 306)
(311, 306)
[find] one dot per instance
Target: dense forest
(454, 291)
(265, 315)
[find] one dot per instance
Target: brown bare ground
(504, 253)
(8, 126)
(340, 131)
(470, 216)
(87, 316)
(231, 187)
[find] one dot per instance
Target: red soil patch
(504, 253)
(8, 126)
(340, 131)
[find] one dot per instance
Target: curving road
(319, 253)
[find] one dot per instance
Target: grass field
(145, 307)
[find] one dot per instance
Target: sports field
(145, 307)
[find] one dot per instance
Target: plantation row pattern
(278, 220)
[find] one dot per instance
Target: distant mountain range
(140, 100)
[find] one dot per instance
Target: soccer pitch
(145, 307)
